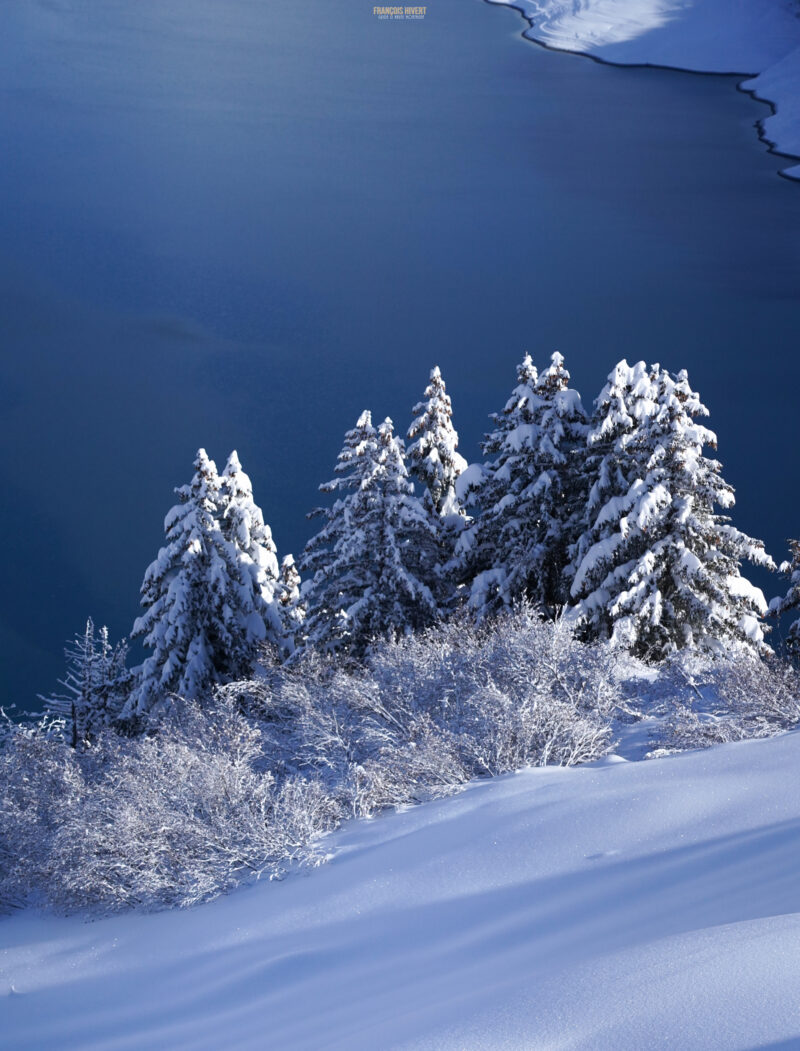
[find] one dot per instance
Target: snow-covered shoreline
(756, 37)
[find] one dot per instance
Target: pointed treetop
(526, 371)
(233, 466)
(524, 394)
(235, 480)
(555, 377)
(205, 471)
(202, 460)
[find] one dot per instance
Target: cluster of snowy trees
(614, 520)
(507, 613)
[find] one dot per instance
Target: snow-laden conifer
(659, 567)
(200, 620)
(530, 494)
(433, 456)
(614, 449)
(291, 605)
(367, 581)
(244, 528)
(94, 686)
(791, 600)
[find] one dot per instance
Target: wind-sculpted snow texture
(624, 906)
(711, 36)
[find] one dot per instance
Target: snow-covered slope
(626, 905)
(713, 36)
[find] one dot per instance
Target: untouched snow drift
(624, 905)
(712, 36)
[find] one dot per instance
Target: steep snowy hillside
(709, 36)
(625, 905)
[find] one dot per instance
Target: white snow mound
(711, 36)
(624, 905)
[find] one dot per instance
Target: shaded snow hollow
(622, 905)
(711, 36)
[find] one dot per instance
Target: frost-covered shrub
(170, 819)
(211, 797)
(705, 701)
(520, 655)
(430, 711)
(38, 773)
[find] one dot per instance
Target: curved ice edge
(775, 146)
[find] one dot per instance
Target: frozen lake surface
(238, 225)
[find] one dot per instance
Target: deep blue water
(237, 225)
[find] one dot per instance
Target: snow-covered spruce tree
(201, 621)
(366, 559)
(530, 494)
(791, 600)
(659, 567)
(244, 528)
(433, 456)
(94, 686)
(612, 462)
(291, 606)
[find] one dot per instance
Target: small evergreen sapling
(94, 685)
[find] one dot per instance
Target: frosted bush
(171, 819)
(707, 701)
(212, 797)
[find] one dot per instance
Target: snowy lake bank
(241, 231)
(706, 36)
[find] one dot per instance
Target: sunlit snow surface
(711, 36)
(626, 905)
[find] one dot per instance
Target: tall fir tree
(94, 686)
(433, 459)
(433, 456)
(200, 620)
(660, 568)
(244, 528)
(530, 495)
(614, 449)
(366, 559)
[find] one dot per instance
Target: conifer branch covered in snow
(791, 600)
